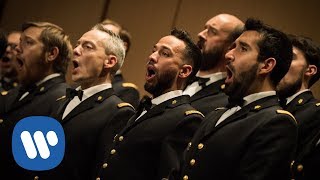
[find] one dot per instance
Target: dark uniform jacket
(306, 110)
(128, 92)
(140, 150)
(88, 128)
(41, 101)
(210, 97)
(255, 143)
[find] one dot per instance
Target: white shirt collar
(256, 96)
(213, 77)
(93, 90)
(166, 96)
(289, 99)
(48, 78)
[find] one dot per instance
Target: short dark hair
(192, 52)
(54, 36)
(311, 52)
(272, 44)
(3, 43)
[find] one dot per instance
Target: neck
(95, 82)
(221, 67)
(262, 86)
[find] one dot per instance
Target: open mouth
(19, 62)
(200, 44)
(75, 63)
(5, 59)
(229, 78)
(151, 72)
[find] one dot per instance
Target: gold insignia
(279, 111)
(200, 146)
(3, 93)
(124, 104)
(99, 98)
(174, 102)
(130, 85)
(41, 89)
(299, 167)
(223, 86)
(60, 98)
(318, 104)
(257, 107)
(1, 121)
(300, 101)
(193, 112)
(15, 84)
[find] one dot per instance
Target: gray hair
(113, 45)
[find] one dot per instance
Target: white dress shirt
(162, 98)
(247, 100)
(40, 82)
(195, 87)
(86, 94)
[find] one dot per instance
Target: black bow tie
(145, 103)
(71, 93)
(202, 81)
(234, 102)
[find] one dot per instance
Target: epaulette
(3, 93)
(318, 104)
(124, 104)
(279, 111)
(193, 112)
(130, 85)
(60, 98)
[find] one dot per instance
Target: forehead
(298, 54)
(221, 23)
(171, 42)
(94, 35)
(32, 32)
(251, 38)
(14, 37)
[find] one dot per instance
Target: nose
(229, 55)
(153, 57)
(201, 34)
(18, 48)
(76, 51)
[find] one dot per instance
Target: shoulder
(129, 85)
(193, 112)
(287, 114)
(125, 105)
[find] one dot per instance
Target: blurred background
(149, 20)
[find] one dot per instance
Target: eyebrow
(162, 47)
(244, 44)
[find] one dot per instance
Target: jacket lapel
(87, 104)
(158, 109)
(210, 90)
(243, 112)
(299, 101)
(38, 90)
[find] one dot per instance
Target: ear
(52, 54)
(185, 71)
(110, 61)
(267, 66)
(311, 70)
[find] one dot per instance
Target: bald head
(218, 34)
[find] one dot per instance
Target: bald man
(206, 90)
